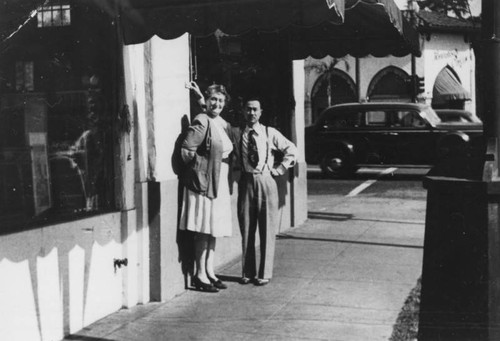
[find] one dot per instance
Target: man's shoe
(244, 280)
(261, 281)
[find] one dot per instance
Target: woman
(206, 208)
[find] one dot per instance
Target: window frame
(48, 11)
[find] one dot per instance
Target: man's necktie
(252, 153)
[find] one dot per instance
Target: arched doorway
(448, 92)
(332, 87)
(389, 84)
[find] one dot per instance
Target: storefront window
(54, 15)
(24, 76)
(56, 136)
(390, 84)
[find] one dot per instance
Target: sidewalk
(343, 275)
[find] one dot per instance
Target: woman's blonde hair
(219, 89)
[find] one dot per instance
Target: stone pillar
(299, 194)
(169, 72)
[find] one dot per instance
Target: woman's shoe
(208, 287)
(217, 283)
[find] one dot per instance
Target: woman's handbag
(196, 175)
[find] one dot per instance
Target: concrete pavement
(343, 275)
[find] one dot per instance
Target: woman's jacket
(202, 152)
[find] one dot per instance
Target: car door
(413, 140)
(379, 137)
(340, 127)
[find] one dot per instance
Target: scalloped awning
(356, 27)
(316, 27)
(169, 19)
(371, 27)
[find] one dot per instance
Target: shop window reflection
(77, 156)
(52, 155)
(57, 95)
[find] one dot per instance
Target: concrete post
(490, 50)
(461, 273)
(299, 194)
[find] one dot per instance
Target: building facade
(447, 68)
(88, 198)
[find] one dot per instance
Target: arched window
(332, 87)
(390, 84)
(448, 91)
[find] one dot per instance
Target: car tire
(336, 164)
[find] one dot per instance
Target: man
(257, 190)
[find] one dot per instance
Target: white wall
(402, 4)
(134, 70)
(298, 119)
(135, 225)
(441, 50)
(475, 6)
(313, 70)
(170, 60)
(449, 50)
(58, 279)
(299, 185)
(369, 67)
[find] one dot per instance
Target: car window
(342, 119)
(377, 118)
(410, 119)
(431, 116)
(456, 118)
(460, 118)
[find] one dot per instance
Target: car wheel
(336, 164)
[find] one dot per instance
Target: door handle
(391, 134)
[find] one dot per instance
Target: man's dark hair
(252, 98)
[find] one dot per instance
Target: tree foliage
(460, 8)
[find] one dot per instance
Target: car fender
(346, 145)
(453, 144)
(337, 160)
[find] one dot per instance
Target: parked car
(348, 136)
(457, 116)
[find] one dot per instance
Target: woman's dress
(211, 216)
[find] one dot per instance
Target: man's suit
(258, 195)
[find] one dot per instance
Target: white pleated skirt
(209, 216)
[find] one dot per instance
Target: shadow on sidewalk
(288, 236)
(226, 278)
(77, 337)
(345, 217)
(329, 216)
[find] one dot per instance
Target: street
(389, 182)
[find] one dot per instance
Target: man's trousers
(258, 208)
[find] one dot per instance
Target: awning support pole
(358, 79)
(413, 78)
